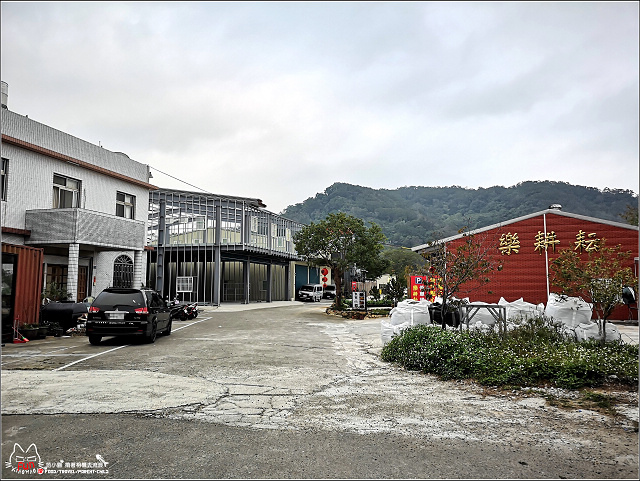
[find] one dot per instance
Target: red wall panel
(28, 282)
(524, 273)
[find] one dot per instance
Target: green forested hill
(411, 216)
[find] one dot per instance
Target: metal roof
(525, 217)
(250, 200)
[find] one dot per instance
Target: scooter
(192, 310)
(185, 312)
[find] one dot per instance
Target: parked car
(329, 292)
(128, 312)
(65, 313)
(310, 292)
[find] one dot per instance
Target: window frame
(131, 204)
(59, 189)
(5, 175)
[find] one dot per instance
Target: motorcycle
(192, 310)
(185, 312)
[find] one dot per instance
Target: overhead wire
(180, 180)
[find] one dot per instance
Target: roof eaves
(429, 246)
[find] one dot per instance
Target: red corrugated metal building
(21, 286)
(525, 246)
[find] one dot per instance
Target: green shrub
(534, 354)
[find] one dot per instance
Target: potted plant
(55, 293)
(43, 330)
(30, 331)
(55, 329)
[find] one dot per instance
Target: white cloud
(278, 100)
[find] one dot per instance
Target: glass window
(5, 171)
(156, 302)
(125, 205)
(66, 192)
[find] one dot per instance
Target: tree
(630, 215)
(375, 293)
(599, 279)
(460, 264)
(53, 292)
(342, 241)
(403, 261)
(394, 289)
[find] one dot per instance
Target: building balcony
(81, 226)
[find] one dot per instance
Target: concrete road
(282, 390)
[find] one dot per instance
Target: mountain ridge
(412, 215)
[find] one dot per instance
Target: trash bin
(451, 318)
(435, 313)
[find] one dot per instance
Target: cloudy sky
(279, 100)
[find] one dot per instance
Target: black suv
(128, 312)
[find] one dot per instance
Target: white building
(85, 206)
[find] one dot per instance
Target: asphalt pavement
(282, 390)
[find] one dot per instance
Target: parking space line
(120, 347)
(195, 322)
(90, 357)
(21, 357)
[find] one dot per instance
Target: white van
(310, 292)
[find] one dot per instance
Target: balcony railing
(81, 226)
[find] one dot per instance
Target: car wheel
(168, 331)
(95, 340)
(151, 338)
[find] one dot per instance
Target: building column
(288, 281)
(247, 280)
(217, 260)
(160, 247)
(72, 271)
(137, 269)
(217, 275)
(269, 282)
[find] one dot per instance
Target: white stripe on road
(120, 347)
(22, 357)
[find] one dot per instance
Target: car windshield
(330, 288)
(110, 300)
(307, 288)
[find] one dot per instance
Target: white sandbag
(399, 316)
(389, 331)
(386, 332)
(520, 310)
(412, 312)
(593, 330)
(612, 333)
(479, 325)
(587, 330)
(572, 311)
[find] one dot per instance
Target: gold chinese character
(509, 242)
(588, 242)
(544, 240)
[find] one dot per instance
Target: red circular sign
(324, 285)
(324, 271)
(324, 279)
